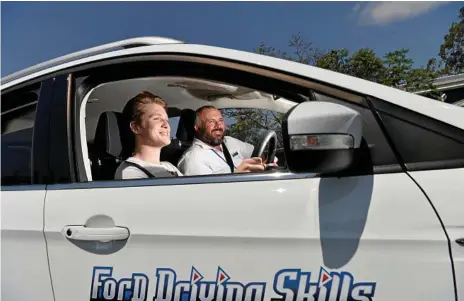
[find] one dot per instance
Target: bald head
(201, 112)
(209, 125)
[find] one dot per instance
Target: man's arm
(245, 149)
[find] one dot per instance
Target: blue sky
(35, 32)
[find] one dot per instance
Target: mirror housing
(321, 137)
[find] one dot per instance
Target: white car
(459, 103)
(367, 202)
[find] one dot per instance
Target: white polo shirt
(202, 159)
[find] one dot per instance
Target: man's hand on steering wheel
(251, 165)
(270, 165)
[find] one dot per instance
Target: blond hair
(135, 106)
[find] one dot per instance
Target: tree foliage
(452, 49)
(394, 69)
(365, 64)
(335, 60)
(250, 124)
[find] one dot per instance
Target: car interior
(18, 115)
(109, 141)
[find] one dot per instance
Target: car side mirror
(321, 137)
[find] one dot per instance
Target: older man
(213, 153)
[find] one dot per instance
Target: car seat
(108, 151)
(184, 137)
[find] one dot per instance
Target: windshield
(459, 103)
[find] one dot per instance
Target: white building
(451, 87)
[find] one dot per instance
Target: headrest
(185, 128)
(108, 138)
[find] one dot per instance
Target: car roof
(442, 111)
(123, 44)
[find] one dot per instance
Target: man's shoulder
(127, 171)
(192, 152)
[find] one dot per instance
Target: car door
(271, 236)
(259, 233)
(25, 273)
(433, 153)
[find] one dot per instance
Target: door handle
(96, 234)
(460, 241)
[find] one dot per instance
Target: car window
(254, 97)
(459, 103)
(422, 142)
(249, 124)
(106, 142)
(173, 123)
(454, 95)
(421, 146)
(18, 118)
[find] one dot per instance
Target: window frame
(40, 135)
(276, 79)
(90, 82)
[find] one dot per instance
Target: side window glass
(380, 150)
(18, 118)
(417, 144)
(248, 125)
(173, 123)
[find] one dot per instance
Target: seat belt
(228, 157)
(149, 174)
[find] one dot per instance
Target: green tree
(400, 73)
(452, 48)
(335, 60)
(249, 124)
(395, 69)
(365, 64)
(398, 66)
(423, 78)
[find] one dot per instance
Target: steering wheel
(269, 139)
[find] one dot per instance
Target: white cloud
(357, 7)
(382, 13)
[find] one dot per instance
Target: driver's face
(211, 127)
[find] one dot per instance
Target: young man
(148, 121)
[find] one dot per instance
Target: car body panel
(381, 229)
(445, 189)
(25, 270)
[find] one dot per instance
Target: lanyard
(222, 158)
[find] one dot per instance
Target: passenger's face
(211, 128)
(153, 127)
